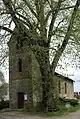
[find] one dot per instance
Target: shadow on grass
(24, 112)
(50, 114)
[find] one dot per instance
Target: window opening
(65, 88)
(20, 65)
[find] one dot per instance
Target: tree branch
(37, 7)
(49, 13)
(54, 14)
(53, 33)
(67, 7)
(9, 8)
(66, 39)
(23, 17)
(47, 17)
(6, 29)
(30, 8)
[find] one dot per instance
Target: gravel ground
(75, 115)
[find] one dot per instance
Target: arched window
(20, 65)
(65, 88)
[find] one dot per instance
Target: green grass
(63, 112)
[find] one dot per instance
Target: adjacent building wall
(69, 93)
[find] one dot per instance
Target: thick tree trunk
(47, 94)
(45, 88)
(47, 80)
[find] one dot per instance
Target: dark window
(65, 88)
(20, 65)
(59, 86)
(19, 44)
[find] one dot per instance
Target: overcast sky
(77, 81)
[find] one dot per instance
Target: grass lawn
(56, 113)
(63, 111)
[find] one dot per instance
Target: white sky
(77, 81)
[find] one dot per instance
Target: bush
(72, 102)
(62, 100)
(4, 104)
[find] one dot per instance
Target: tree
(3, 87)
(41, 22)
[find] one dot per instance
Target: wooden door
(20, 100)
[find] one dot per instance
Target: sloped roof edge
(64, 77)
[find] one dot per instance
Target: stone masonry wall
(69, 85)
(19, 81)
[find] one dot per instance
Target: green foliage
(62, 100)
(3, 90)
(72, 102)
(4, 104)
(63, 111)
(3, 86)
(2, 80)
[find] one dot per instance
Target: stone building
(24, 82)
(65, 86)
(24, 76)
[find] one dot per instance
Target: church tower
(20, 73)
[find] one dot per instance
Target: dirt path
(10, 115)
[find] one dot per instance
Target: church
(25, 78)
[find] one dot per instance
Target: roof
(64, 77)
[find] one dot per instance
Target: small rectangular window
(20, 65)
